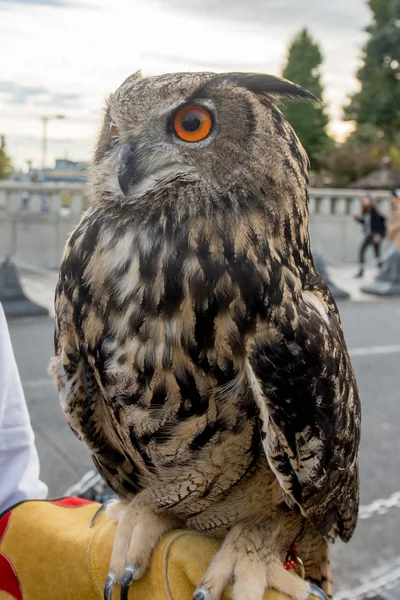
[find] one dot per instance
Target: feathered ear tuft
(131, 79)
(259, 83)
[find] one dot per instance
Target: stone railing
(344, 202)
(36, 218)
(48, 197)
(68, 198)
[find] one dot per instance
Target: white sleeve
(19, 462)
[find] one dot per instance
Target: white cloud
(87, 48)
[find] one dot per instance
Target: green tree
(350, 161)
(378, 101)
(308, 119)
(5, 161)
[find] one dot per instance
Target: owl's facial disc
(156, 153)
(141, 166)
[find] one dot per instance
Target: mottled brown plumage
(199, 355)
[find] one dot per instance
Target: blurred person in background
(374, 230)
(19, 461)
(394, 221)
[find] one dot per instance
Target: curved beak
(126, 168)
(137, 160)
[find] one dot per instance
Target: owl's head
(222, 130)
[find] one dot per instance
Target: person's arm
(394, 231)
(19, 462)
(394, 225)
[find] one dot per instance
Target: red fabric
(71, 502)
(8, 578)
(3, 524)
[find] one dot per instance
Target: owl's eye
(114, 132)
(192, 123)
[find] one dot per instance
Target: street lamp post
(45, 120)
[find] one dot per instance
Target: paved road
(373, 334)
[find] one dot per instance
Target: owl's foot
(252, 566)
(138, 531)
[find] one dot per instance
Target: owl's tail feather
(313, 550)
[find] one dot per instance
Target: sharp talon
(316, 591)
(127, 579)
(100, 510)
(96, 514)
(202, 593)
(108, 586)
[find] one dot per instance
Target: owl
(198, 353)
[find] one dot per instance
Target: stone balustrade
(31, 198)
(68, 198)
(36, 218)
(344, 202)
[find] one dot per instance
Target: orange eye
(193, 123)
(114, 131)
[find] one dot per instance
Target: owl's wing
(83, 403)
(304, 386)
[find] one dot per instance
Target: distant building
(66, 170)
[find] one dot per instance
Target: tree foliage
(5, 161)
(309, 119)
(378, 101)
(362, 153)
(350, 162)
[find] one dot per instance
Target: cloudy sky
(65, 56)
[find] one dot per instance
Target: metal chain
(387, 580)
(88, 481)
(380, 506)
(370, 588)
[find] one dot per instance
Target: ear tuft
(131, 79)
(260, 83)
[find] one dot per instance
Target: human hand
(377, 238)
